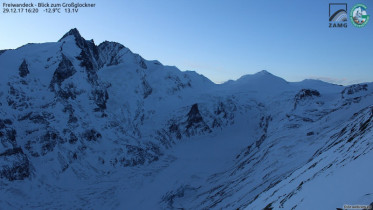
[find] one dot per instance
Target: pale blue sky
(218, 38)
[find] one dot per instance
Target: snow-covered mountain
(86, 126)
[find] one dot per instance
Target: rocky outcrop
(178, 83)
(109, 53)
(195, 123)
(2, 51)
(91, 135)
(14, 164)
(353, 89)
(23, 69)
(64, 70)
(304, 95)
(100, 96)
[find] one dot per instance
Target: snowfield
(86, 126)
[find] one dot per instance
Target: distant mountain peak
(74, 32)
(263, 72)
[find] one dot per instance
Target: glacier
(86, 126)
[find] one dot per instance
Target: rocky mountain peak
(263, 72)
(73, 32)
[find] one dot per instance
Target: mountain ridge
(80, 39)
(97, 126)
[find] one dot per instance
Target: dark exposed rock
(195, 123)
(178, 84)
(268, 207)
(100, 96)
(70, 110)
(147, 90)
(305, 94)
(310, 133)
(87, 63)
(224, 114)
(91, 135)
(64, 70)
(354, 89)
(23, 69)
(264, 123)
(73, 138)
(170, 198)
(194, 116)
(93, 50)
(44, 143)
(2, 51)
(74, 32)
(110, 53)
(37, 118)
(174, 128)
(141, 62)
(89, 55)
(5, 122)
(48, 141)
(221, 110)
(7, 135)
(82, 43)
(91, 62)
(17, 99)
(260, 140)
(140, 155)
(14, 164)
(165, 137)
(68, 91)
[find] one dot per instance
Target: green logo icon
(359, 16)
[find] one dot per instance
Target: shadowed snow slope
(86, 126)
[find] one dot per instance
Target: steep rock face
(264, 123)
(17, 99)
(64, 70)
(14, 164)
(178, 83)
(199, 120)
(224, 113)
(195, 123)
(109, 53)
(7, 135)
(190, 124)
(146, 88)
(89, 54)
(305, 94)
(353, 90)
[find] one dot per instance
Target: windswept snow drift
(99, 127)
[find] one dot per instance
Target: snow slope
(86, 126)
